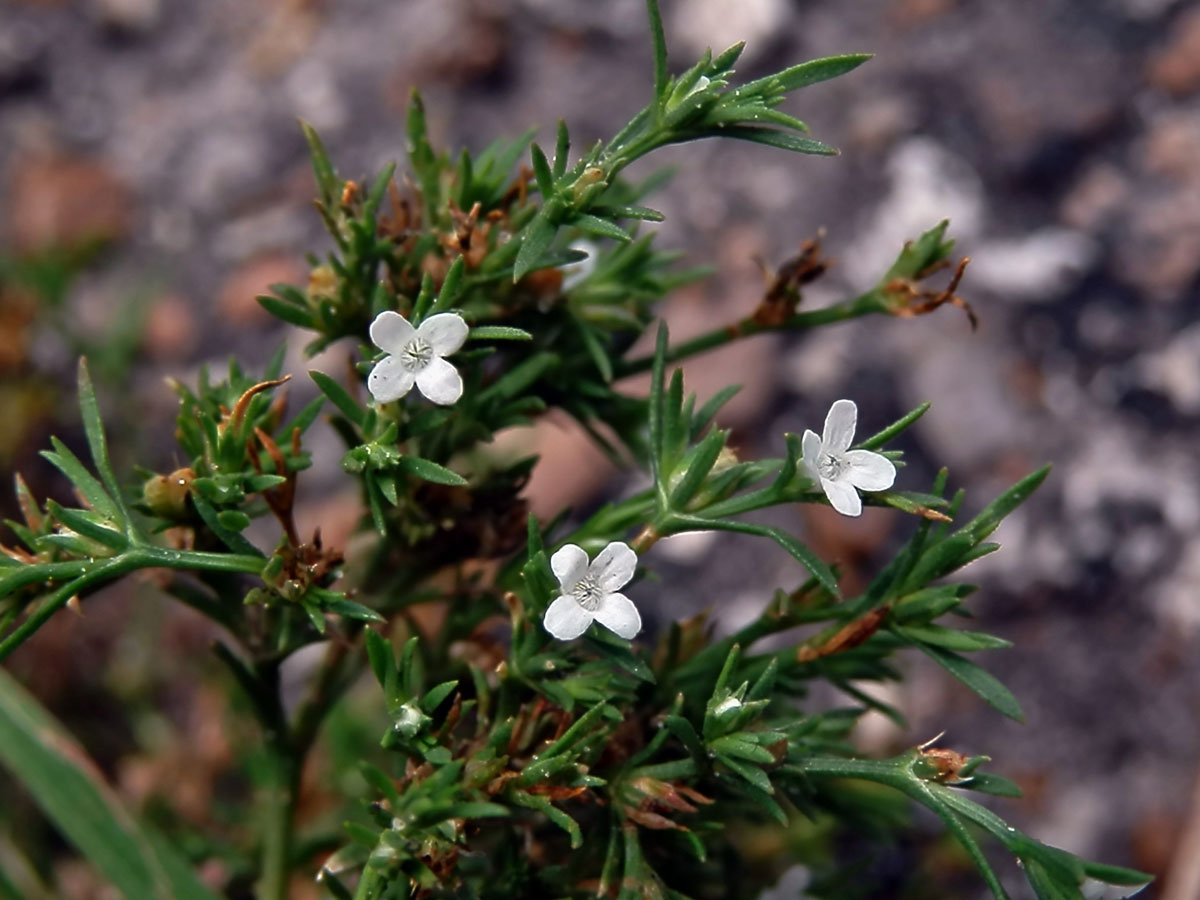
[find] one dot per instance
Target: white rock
(700, 24)
(1036, 267)
(1175, 370)
(928, 183)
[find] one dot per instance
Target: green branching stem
(87, 575)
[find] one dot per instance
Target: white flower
(589, 592)
(841, 471)
(415, 356)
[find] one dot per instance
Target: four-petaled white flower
(415, 356)
(589, 592)
(841, 471)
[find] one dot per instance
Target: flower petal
(440, 382)
(843, 497)
(869, 471)
(391, 332)
(389, 380)
(445, 333)
(618, 614)
(839, 426)
(569, 564)
(812, 452)
(613, 566)
(565, 619)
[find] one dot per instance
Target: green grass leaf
(72, 793)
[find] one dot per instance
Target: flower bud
(166, 495)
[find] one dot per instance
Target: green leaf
(435, 695)
(338, 396)
(882, 437)
(477, 810)
(451, 286)
(328, 184)
(230, 539)
(287, 312)
(952, 638)
(89, 525)
(989, 783)
(351, 610)
(733, 745)
(711, 407)
(658, 39)
(617, 650)
(772, 137)
(752, 773)
(233, 519)
(992, 514)
(977, 679)
(499, 333)
(72, 793)
(816, 70)
(541, 171)
(516, 380)
(431, 471)
(552, 812)
(562, 146)
(628, 212)
(686, 732)
(701, 464)
(83, 481)
(1114, 874)
(600, 227)
(535, 240)
(815, 565)
(94, 428)
(379, 652)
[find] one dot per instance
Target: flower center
(587, 594)
(830, 466)
(416, 355)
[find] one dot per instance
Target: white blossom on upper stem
(589, 592)
(415, 356)
(841, 471)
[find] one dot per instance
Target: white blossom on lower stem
(590, 592)
(843, 472)
(415, 356)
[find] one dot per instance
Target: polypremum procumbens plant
(538, 741)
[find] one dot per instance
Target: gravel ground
(1062, 139)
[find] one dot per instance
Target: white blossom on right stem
(843, 472)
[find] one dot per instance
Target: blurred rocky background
(155, 180)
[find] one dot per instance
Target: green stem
(339, 669)
(92, 574)
(368, 884)
(57, 600)
(279, 790)
(279, 798)
(840, 312)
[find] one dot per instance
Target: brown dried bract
(658, 799)
(947, 763)
(907, 300)
(783, 288)
(469, 238)
(234, 418)
(846, 638)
